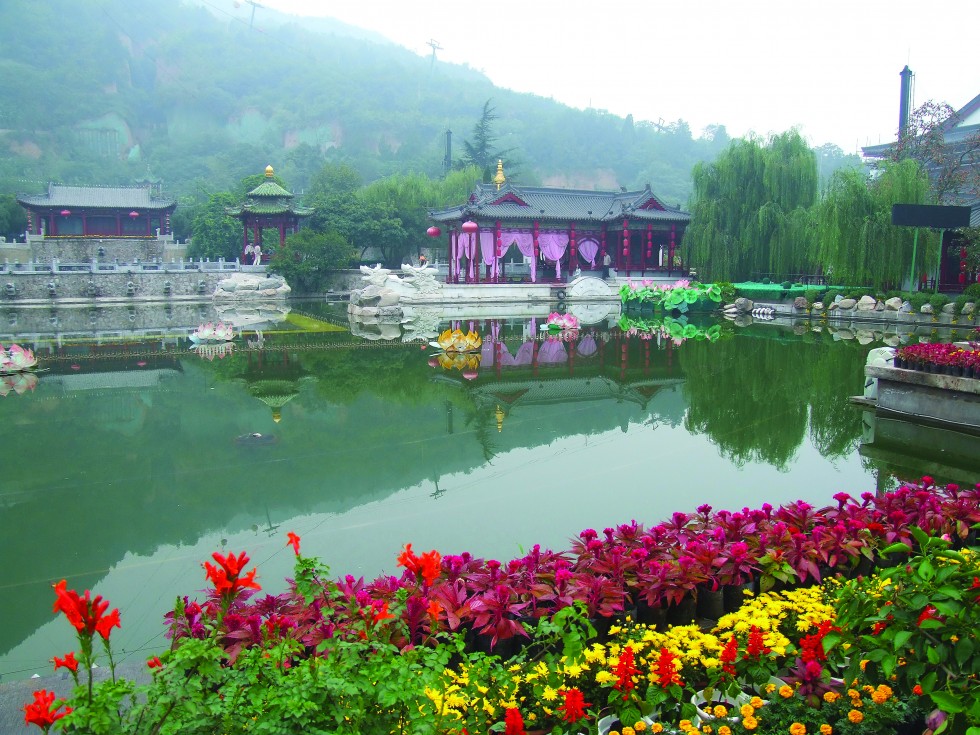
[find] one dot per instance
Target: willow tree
(750, 211)
(856, 242)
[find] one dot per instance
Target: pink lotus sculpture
(209, 332)
(560, 322)
(16, 359)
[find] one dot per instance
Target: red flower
(67, 662)
(573, 708)
(425, 566)
(82, 612)
(625, 671)
(917, 689)
(929, 612)
(729, 655)
(105, 624)
(293, 540)
(666, 671)
(434, 609)
(756, 645)
(513, 722)
(154, 663)
(40, 712)
(227, 577)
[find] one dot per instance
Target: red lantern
(65, 212)
(134, 215)
(469, 227)
(433, 231)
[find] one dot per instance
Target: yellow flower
(770, 688)
(797, 728)
(885, 691)
(724, 730)
(747, 710)
(684, 724)
(855, 716)
(879, 697)
(853, 694)
(656, 727)
(639, 726)
(720, 710)
(628, 730)
(826, 729)
(549, 694)
(785, 691)
(831, 697)
(868, 689)
(707, 729)
(750, 723)
(756, 702)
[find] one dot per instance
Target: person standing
(606, 262)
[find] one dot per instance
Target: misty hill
(121, 91)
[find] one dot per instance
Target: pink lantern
(134, 215)
(469, 227)
(433, 231)
(65, 212)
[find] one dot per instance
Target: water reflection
(134, 457)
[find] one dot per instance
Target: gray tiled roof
(542, 203)
(114, 197)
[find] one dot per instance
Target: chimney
(905, 101)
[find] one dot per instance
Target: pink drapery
(587, 346)
(553, 246)
(488, 252)
(588, 248)
(525, 243)
(467, 247)
(552, 350)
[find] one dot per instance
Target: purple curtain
(525, 243)
(587, 346)
(587, 249)
(488, 253)
(552, 350)
(525, 354)
(553, 246)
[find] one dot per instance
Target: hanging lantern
(65, 212)
(469, 227)
(134, 214)
(433, 231)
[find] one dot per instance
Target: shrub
(812, 295)
(830, 295)
(727, 290)
(766, 281)
(973, 291)
(918, 300)
(787, 284)
(961, 301)
(938, 301)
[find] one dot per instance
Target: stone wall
(132, 285)
(84, 249)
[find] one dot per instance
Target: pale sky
(830, 68)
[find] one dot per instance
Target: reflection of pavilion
(274, 377)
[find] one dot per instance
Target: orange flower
(426, 566)
(750, 723)
(797, 728)
(826, 729)
(293, 540)
(856, 716)
(42, 712)
(917, 689)
(226, 577)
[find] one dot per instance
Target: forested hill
(120, 91)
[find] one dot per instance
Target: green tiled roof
(270, 189)
(550, 204)
(270, 207)
(108, 197)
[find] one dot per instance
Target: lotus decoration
(560, 323)
(18, 383)
(466, 362)
(211, 351)
(209, 332)
(16, 359)
(455, 341)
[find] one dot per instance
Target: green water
(126, 466)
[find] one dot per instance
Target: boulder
(843, 334)
(818, 306)
(926, 309)
(865, 336)
(968, 308)
(866, 303)
(906, 307)
(800, 302)
(847, 303)
(893, 304)
(880, 306)
(949, 309)
(387, 297)
(227, 285)
(892, 340)
(744, 305)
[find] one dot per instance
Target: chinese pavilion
(558, 231)
(98, 211)
(267, 205)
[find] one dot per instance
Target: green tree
(13, 217)
(481, 150)
(308, 256)
(749, 213)
(216, 235)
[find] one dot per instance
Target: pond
(135, 457)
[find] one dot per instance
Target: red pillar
(626, 245)
(673, 244)
(498, 249)
(649, 253)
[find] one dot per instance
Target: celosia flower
(41, 711)
(68, 662)
(513, 722)
(293, 540)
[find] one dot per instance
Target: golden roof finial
(500, 179)
(276, 415)
(499, 414)
(269, 172)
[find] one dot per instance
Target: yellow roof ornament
(269, 172)
(499, 415)
(500, 179)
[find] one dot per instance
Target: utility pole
(435, 47)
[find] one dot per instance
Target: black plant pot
(652, 615)
(711, 603)
(683, 613)
(734, 595)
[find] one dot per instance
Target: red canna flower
(68, 662)
(154, 663)
(573, 708)
(293, 540)
(105, 624)
(513, 722)
(82, 612)
(227, 577)
(40, 711)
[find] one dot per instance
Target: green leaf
(963, 650)
(901, 638)
(947, 701)
(897, 547)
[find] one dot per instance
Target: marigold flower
(42, 712)
(797, 728)
(656, 728)
(855, 716)
(293, 540)
(720, 710)
(826, 729)
(627, 730)
(831, 697)
(746, 710)
(724, 730)
(68, 662)
(756, 702)
(639, 726)
(785, 691)
(707, 729)
(750, 723)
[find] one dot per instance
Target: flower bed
(947, 359)
(424, 652)
(680, 295)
